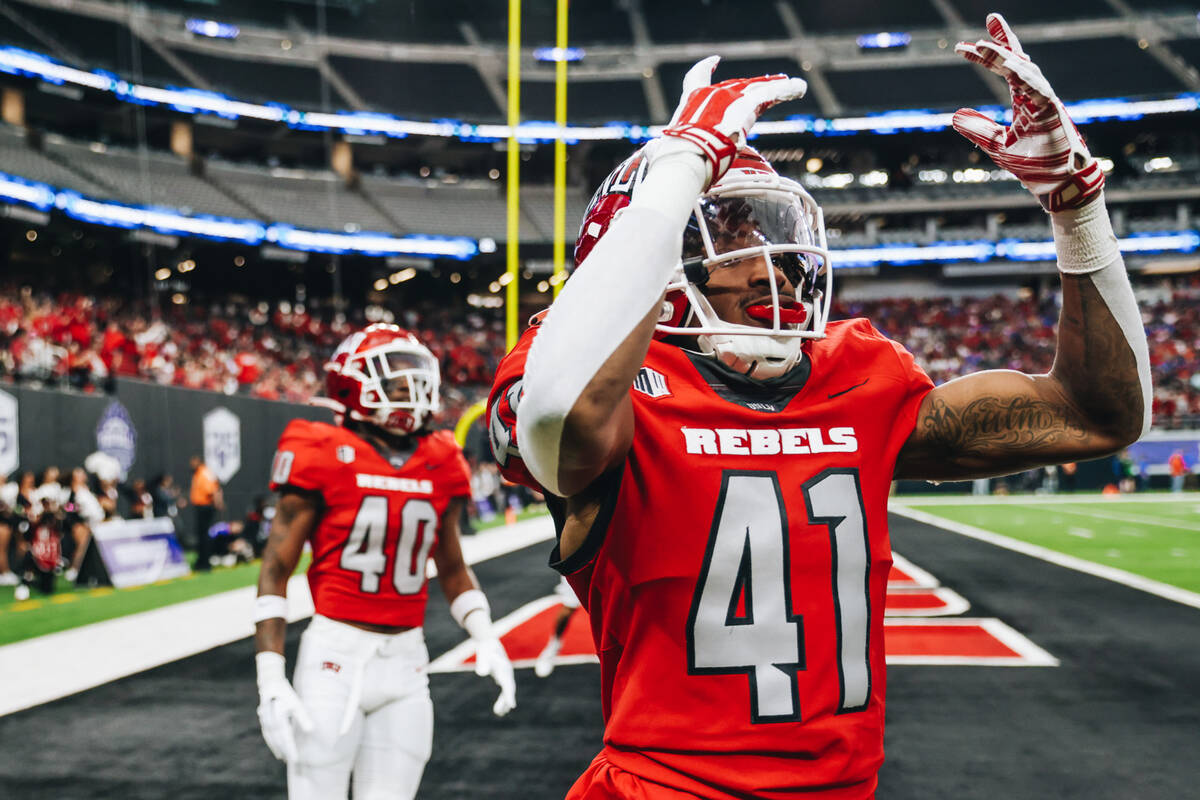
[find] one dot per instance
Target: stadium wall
(151, 429)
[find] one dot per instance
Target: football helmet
(751, 212)
(384, 376)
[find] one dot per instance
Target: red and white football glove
(718, 118)
(1042, 147)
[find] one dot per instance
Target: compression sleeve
(1086, 245)
(612, 291)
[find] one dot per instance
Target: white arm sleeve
(612, 291)
(1086, 245)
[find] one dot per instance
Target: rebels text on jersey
(735, 576)
(378, 522)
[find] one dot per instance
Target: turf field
(1109, 722)
(1155, 536)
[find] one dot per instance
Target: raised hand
(1042, 147)
(717, 119)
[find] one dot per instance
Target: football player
(376, 496)
(717, 454)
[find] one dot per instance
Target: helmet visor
(729, 228)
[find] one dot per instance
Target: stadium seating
(300, 197)
(147, 177)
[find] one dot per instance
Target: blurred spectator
(49, 488)
(257, 525)
(81, 510)
(165, 499)
(485, 491)
(141, 502)
(108, 472)
(206, 499)
(18, 509)
(1177, 467)
(43, 558)
(1069, 473)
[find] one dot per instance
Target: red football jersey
(379, 523)
(736, 574)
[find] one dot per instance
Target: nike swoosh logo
(851, 389)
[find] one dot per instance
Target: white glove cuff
(1084, 238)
(470, 601)
(269, 606)
(270, 667)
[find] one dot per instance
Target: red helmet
(750, 212)
(384, 376)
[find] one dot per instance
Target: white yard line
(39, 670)
(1120, 576)
(1040, 499)
(1154, 523)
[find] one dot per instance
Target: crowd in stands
(268, 351)
(276, 351)
(953, 338)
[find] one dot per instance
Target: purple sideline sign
(139, 551)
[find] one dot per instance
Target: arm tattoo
(988, 426)
(1098, 365)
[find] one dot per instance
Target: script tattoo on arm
(988, 428)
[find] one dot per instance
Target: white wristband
(269, 666)
(269, 606)
(1084, 238)
(468, 601)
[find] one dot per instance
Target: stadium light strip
(1003, 250)
(30, 193)
(17, 61)
(163, 220)
(44, 197)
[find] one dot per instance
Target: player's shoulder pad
(440, 445)
(858, 341)
(306, 432)
(306, 453)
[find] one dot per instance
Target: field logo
(9, 451)
(116, 436)
(223, 443)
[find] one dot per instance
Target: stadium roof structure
(430, 61)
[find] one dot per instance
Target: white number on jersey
(365, 553)
(741, 619)
(281, 466)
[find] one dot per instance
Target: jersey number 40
(368, 546)
(741, 619)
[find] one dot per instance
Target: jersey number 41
(741, 620)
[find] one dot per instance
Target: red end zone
(978, 642)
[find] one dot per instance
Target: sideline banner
(139, 551)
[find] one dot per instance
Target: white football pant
(368, 696)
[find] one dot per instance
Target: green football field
(1157, 538)
(71, 606)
